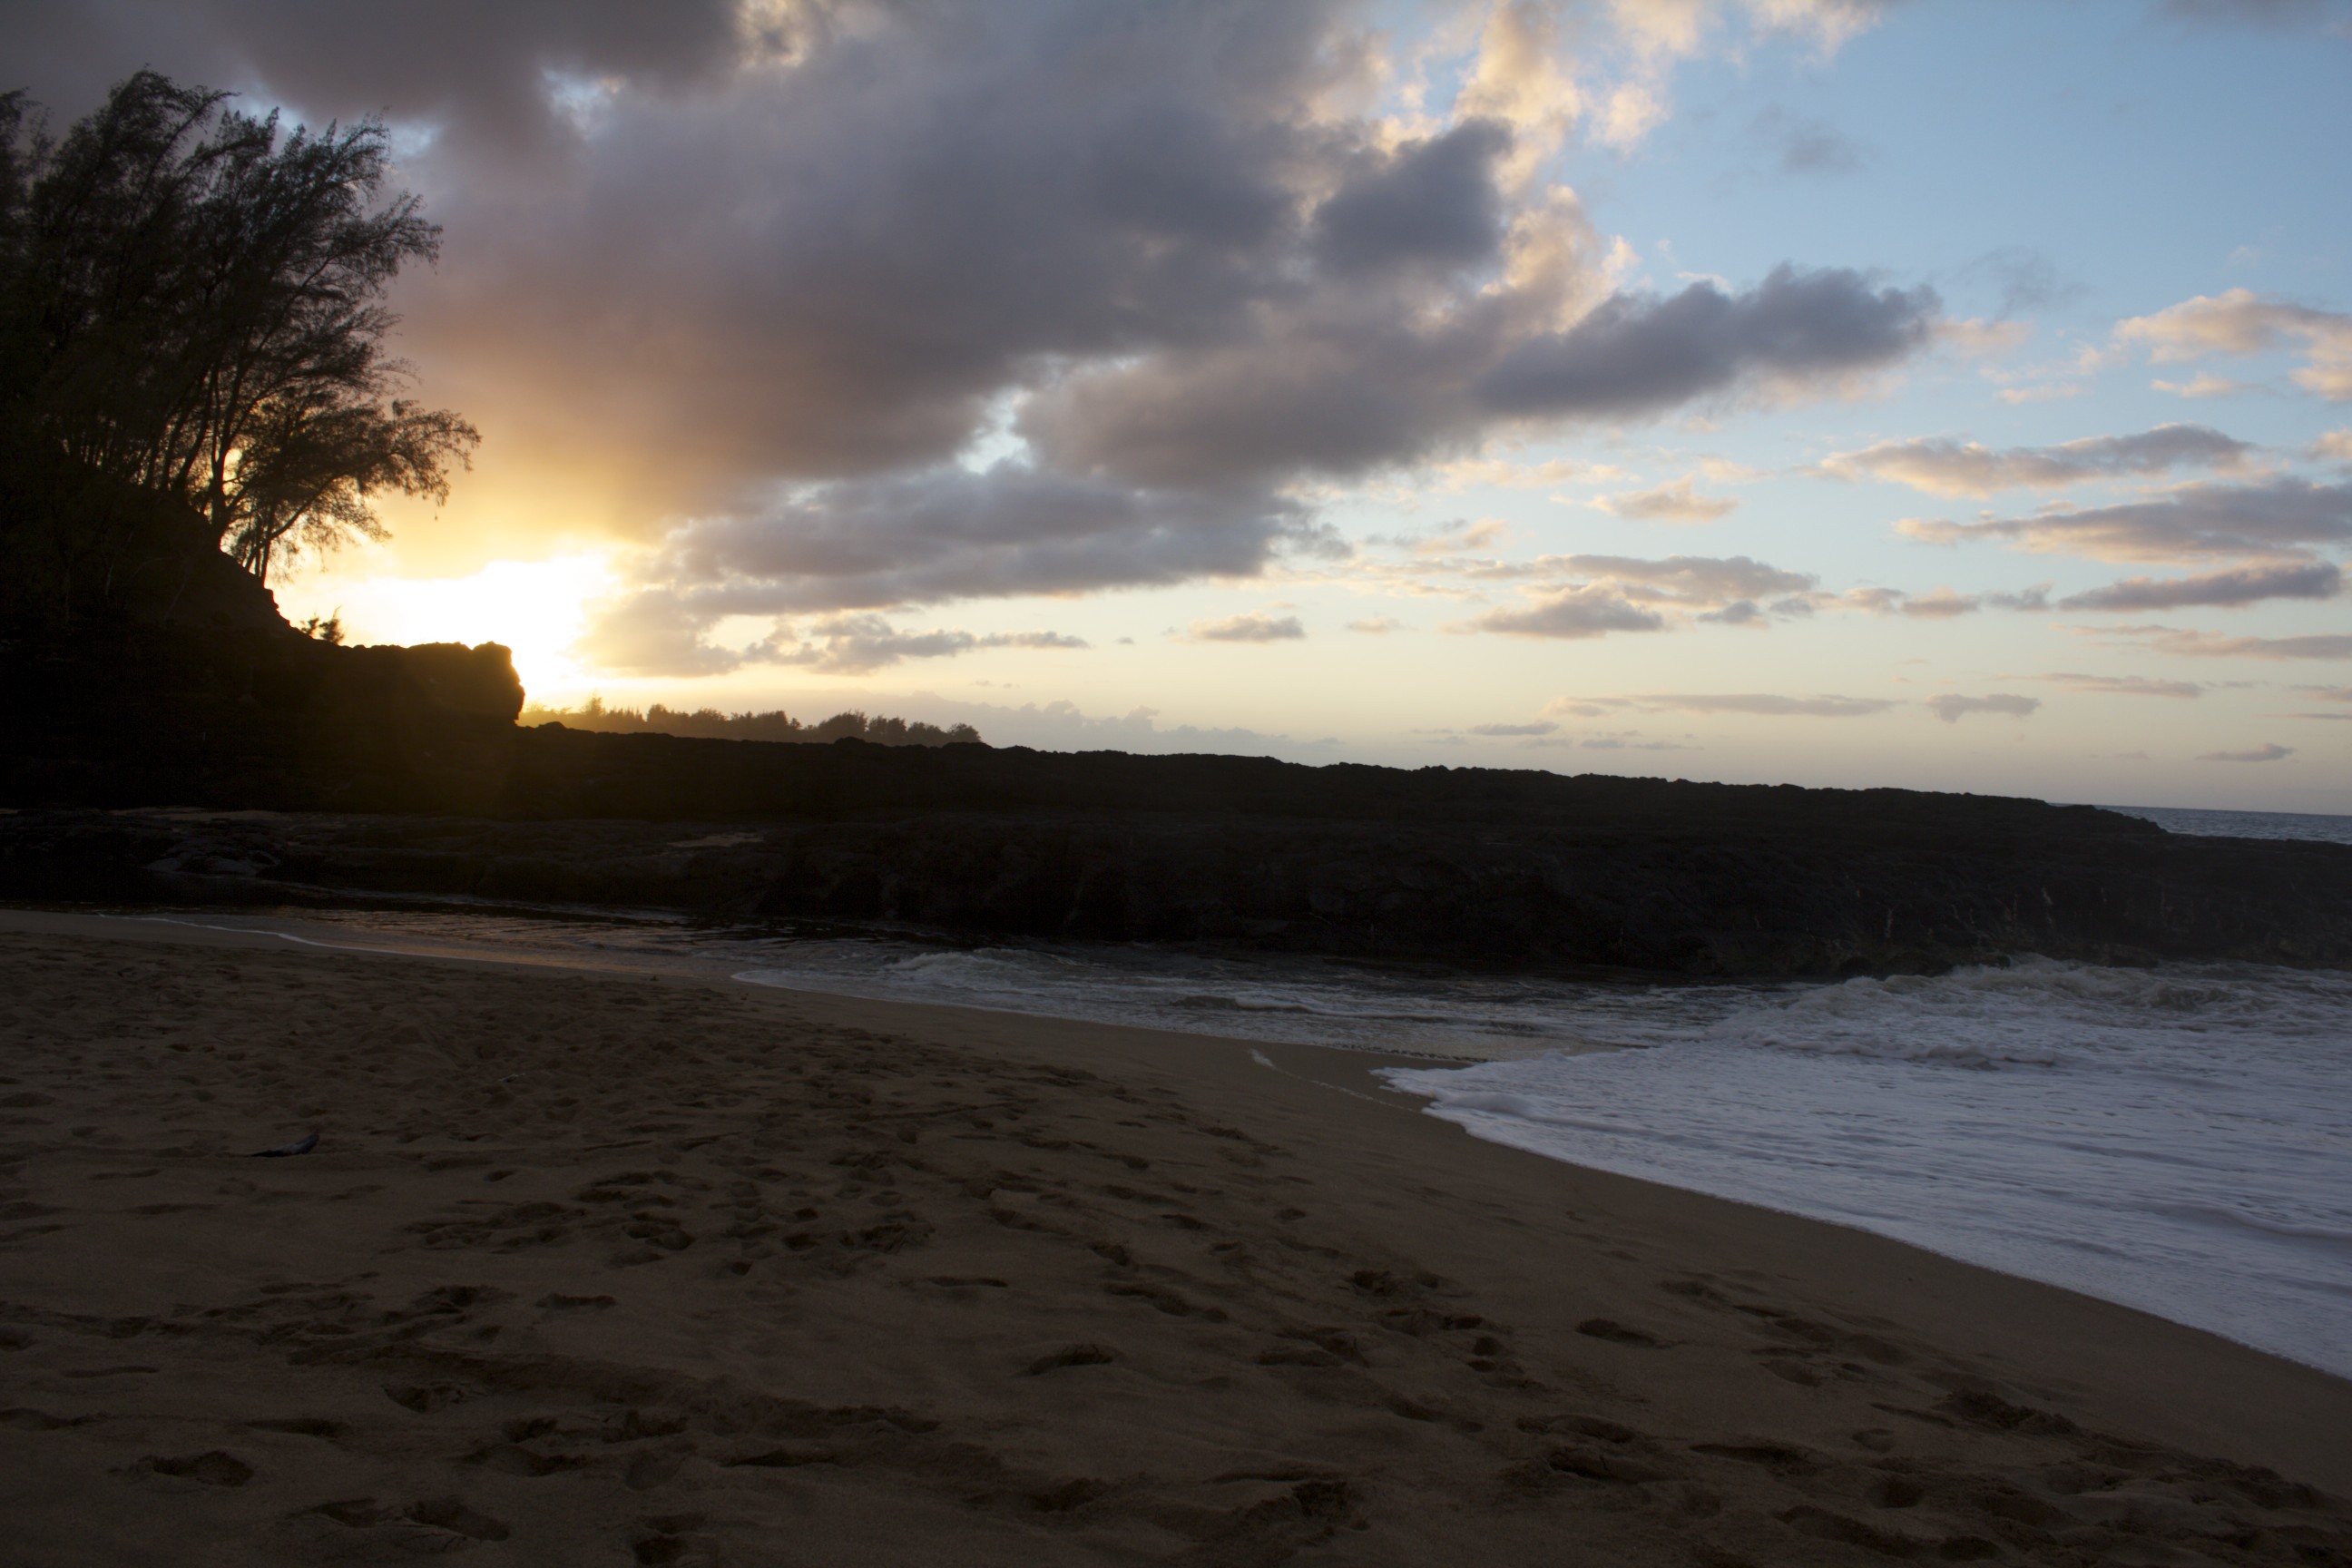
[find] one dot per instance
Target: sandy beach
(590, 1268)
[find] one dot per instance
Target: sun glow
(535, 607)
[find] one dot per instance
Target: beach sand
(592, 1270)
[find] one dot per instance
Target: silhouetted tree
(709, 723)
(192, 307)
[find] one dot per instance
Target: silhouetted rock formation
(1522, 870)
(252, 715)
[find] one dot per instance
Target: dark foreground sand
(590, 1269)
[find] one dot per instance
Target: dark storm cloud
(1433, 202)
(1342, 383)
(481, 71)
(931, 537)
(952, 533)
(834, 268)
(1637, 355)
(2274, 518)
(692, 265)
(2243, 585)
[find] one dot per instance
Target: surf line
(516, 961)
(265, 930)
(1266, 1061)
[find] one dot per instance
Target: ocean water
(2201, 823)
(2176, 1139)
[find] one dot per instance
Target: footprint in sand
(1074, 1355)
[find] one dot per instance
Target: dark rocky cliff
(252, 714)
(303, 771)
(1509, 869)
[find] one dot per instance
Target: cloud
(949, 534)
(2270, 752)
(1762, 703)
(1938, 603)
(656, 634)
(1377, 626)
(1941, 604)
(1574, 614)
(1343, 385)
(743, 284)
(1247, 628)
(2205, 384)
(1803, 146)
(1631, 594)
(2027, 279)
(348, 60)
(2335, 446)
(2213, 645)
(1431, 203)
(2125, 684)
(1699, 579)
(1943, 466)
(1541, 727)
(856, 645)
(1634, 354)
(2243, 585)
(2283, 15)
(1672, 502)
(2271, 517)
(2048, 393)
(1458, 535)
(2240, 322)
(1952, 708)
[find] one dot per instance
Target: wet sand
(595, 1268)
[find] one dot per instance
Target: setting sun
(535, 607)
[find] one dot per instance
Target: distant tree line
(711, 725)
(191, 344)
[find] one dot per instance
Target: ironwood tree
(192, 325)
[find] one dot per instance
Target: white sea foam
(2178, 1140)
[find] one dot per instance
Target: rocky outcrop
(228, 714)
(400, 773)
(1695, 880)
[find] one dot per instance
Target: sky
(1942, 394)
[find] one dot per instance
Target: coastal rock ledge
(1513, 870)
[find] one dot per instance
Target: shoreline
(1367, 1062)
(1700, 1329)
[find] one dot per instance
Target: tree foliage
(192, 308)
(711, 725)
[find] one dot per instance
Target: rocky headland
(1487, 867)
